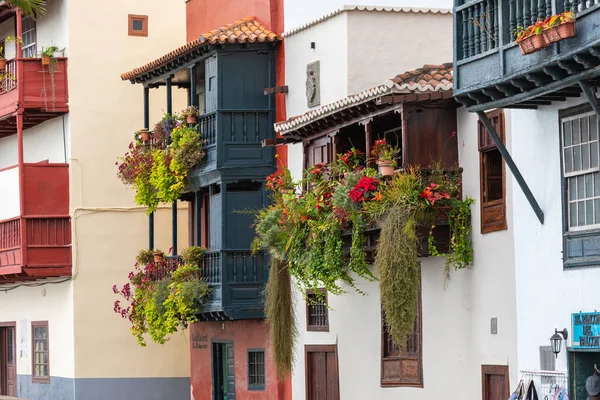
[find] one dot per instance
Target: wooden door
(495, 382)
(8, 367)
(322, 380)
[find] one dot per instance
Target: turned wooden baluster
(533, 16)
(477, 30)
(496, 29)
(465, 35)
(525, 10)
(471, 33)
(482, 28)
(575, 6)
(490, 20)
(541, 10)
(512, 16)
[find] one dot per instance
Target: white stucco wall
(331, 49)
(52, 303)
(382, 45)
(10, 201)
(300, 12)
(547, 294)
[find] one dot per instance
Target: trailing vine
(161, 299)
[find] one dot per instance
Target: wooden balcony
(490, 71)
(43, 90)
(35, 230)
(236, 279)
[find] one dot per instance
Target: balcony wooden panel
(490, 71)
(45, 95)
(37, 244)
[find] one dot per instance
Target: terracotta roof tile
(428, 79)
(246, 30)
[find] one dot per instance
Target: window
(317, 313)
(580, 170)
(492, 177)
(402, 366)
(581, 186)
(40, 352)
(256, 369)
(28, 38)
(138, 25)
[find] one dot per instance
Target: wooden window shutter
(317, 151)
(492, 176)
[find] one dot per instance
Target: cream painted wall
(382, 45)
(52, 303)
(301, 12)
(331, 49)
(104, 113)
(10, 201)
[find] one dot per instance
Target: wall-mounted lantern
(556, 340)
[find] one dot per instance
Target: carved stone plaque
(313, 84)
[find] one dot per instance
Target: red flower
(364, 189)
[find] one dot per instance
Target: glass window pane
(597, 210)
(137, 25)
(596, 183)
(568, 160)
(572, 182)
(585, 156)
(573, 214)
(581, 213)
(585, 135)
(576, 132)
(589, 212)
(567, 133)
(594, 154)
(593, 127)
(580, 187)
(589, 185)
(576, 158)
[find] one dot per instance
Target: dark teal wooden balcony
(490, 71)
(236, 279)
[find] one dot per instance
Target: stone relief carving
(313, 78)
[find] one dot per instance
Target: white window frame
(27, 47)
(582, 173)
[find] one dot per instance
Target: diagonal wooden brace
(511, 165)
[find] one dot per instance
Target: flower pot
(566, 30)
(158, 257)
(191, 119)
(145, 135)
(385, 168)
(526, 46)
(45, 60)
(539, 42)
(2, 63)
(551, 35)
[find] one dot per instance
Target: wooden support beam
(555, 73)
(511, 165)
(585, 60)
(538, 79)
(591, 96)
(570, 66)
(522, 84)
(508, 90)
(369, 141)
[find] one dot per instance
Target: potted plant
(386, 155)
(531, 39)
(190, 114)
(159, 256)
(559, 27)
(144, 134)
(47, 54)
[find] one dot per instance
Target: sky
(298, 12)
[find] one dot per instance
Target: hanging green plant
(157, 172)
(159, 303)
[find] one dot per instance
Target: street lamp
(556, 340)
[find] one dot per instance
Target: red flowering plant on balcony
(304, 233)
(162, 297)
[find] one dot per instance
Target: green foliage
(399, 270)
(279, 312)
(160, 305)
(32, 8)
(193, 255)
(158, 172)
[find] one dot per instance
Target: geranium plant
(190, 114)
(383, 151)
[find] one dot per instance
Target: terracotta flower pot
(532, 44)
(158, 257)
(191, 119)
(385, 168)
(45, 60)
(551, 35)
(566, 30)
(145, 135)
(539, 42)
(2, 63)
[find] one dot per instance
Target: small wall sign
(199, 341)
(586, 330)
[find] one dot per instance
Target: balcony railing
(210, 267)
(207, 126)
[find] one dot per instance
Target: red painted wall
(250, 334)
